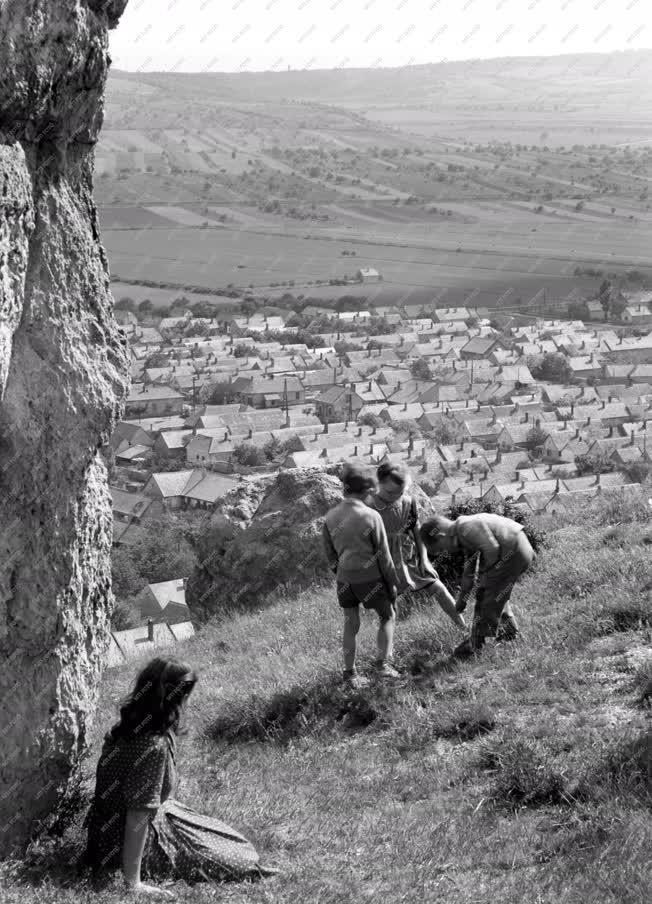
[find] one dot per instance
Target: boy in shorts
(358, 553)
(497, 553)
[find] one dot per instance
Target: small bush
(450, 565)
(624, 769)
(525, 775)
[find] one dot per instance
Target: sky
(259, 35)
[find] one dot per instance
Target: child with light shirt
(357, 551)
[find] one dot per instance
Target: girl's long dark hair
(155, 704)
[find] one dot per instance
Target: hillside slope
(525, 775)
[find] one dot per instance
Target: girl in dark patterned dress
(134, 821)
(400, 517)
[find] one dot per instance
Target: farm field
(554, 128)
(409, 254)
(490, 178)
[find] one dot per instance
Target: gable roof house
(268, 392)
(150, 400)
(170, 486)
(164, 601)
(172, 443)
(338, 403)
(484, 431)
(209, 491)
(564, 448)
(585, 366)
(447, 315)
(211, 445)
(637, 313)
(479, 347)
(131, 509)
(126, 434)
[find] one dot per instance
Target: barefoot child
(497, 548)
(357, 551)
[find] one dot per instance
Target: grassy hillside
(525, 775)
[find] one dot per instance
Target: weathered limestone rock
(63, 378)
(278, 543)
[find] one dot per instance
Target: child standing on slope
(357, 551)
(400, 517)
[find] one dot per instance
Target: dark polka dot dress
(140, 773)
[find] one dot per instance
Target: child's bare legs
(447, 603)
(385, 638)
(349, 642)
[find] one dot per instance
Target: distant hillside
(578, 77)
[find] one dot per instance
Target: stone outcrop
(63, 379)
(246, 553)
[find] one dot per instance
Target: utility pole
(286, 404)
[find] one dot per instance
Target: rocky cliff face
(267, 535)
(63, 377)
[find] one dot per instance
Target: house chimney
(150, 630)
(604, 403)
(458, 464)
(577, 433)
(355, 450)
(527, 416)
(557, 486)
(359, 431)
(588, 421)
(373, 431)
(611, 431)
(404, 406)
(499, 457)
(371, 448)
(632, 440)
(251, 433)
(597, 479)
(572, 410)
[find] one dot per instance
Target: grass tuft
(624, 770)
(297, 712)
(524, 774)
